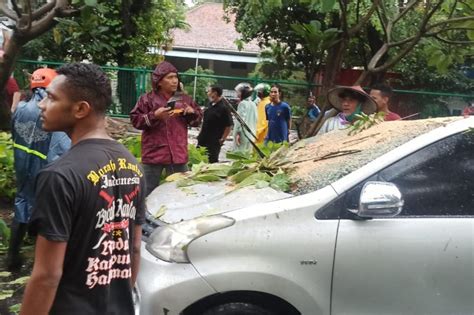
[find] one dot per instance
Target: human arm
(145, 116)
(47, 271)
(16, 100)
(288, 118)
(52, 221)
(60, 143)
(137, 240)
(192, 112)
(225, 134)
(228, 123)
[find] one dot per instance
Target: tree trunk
(375, 42)
(332, 69)
(7, 64)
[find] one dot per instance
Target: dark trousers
(213, 151)
(153, 174)
(17, 234)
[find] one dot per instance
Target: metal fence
(129, 83)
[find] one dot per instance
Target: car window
(434, 181)
(437, 180)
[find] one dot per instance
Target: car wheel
(238, 308)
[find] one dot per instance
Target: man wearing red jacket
(164, 115)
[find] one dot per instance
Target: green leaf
(280, 182)
(261, 184)
(5, 294)
(244, 157)
(327, 5)
(5, 273)
(15, 308)
(91, 3)
(242, 175)
(161, 211)
(175, 177)
(21, 280)
(206, 178)
(186, 182)
(254, 179)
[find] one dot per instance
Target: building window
(238, 65)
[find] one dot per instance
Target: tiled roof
(209, 30)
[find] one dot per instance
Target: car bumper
(168, 288)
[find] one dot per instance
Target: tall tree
(30, 22)
(321, 34)
(118, 32)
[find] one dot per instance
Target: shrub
(7, 171)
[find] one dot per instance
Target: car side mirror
(379, 200)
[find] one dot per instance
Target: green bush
(134, 145)
(201, 84)
(195, 155)
(7, 171)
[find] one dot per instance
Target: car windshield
(321, 160)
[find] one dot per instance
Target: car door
(421, 261)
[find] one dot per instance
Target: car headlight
(170, 242)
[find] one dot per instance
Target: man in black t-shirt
(216, 124)
(89, 206)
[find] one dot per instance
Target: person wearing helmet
(263, 92)
(33, 149)
(247, 110)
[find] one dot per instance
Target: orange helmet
(42, 78)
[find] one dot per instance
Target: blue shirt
(33, 149)
(313, 112)
(278, 117)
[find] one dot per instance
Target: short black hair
(278, 86)
(384, 89)
(216, 88)
(245, 92)
(87, 82)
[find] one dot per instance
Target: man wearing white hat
(349, 101)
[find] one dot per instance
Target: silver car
(393, 236)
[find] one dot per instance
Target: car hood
(172, 204)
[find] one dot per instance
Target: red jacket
(164, 142)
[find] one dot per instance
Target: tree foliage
(112, 32)
(378, 33)
(375, 35)
(202, 83)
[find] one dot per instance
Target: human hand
(237, 139)
(188, 110)
(163, 113)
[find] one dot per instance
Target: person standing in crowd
(278, 114)
(247, 110)
(313, 110)
(164, 115)
(89, 206)
(6, 99)
(468, 110)
(263, 92)
(216, 125)
(33, 149)
(382, 94)
(349, 101)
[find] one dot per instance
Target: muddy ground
(11, 294)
